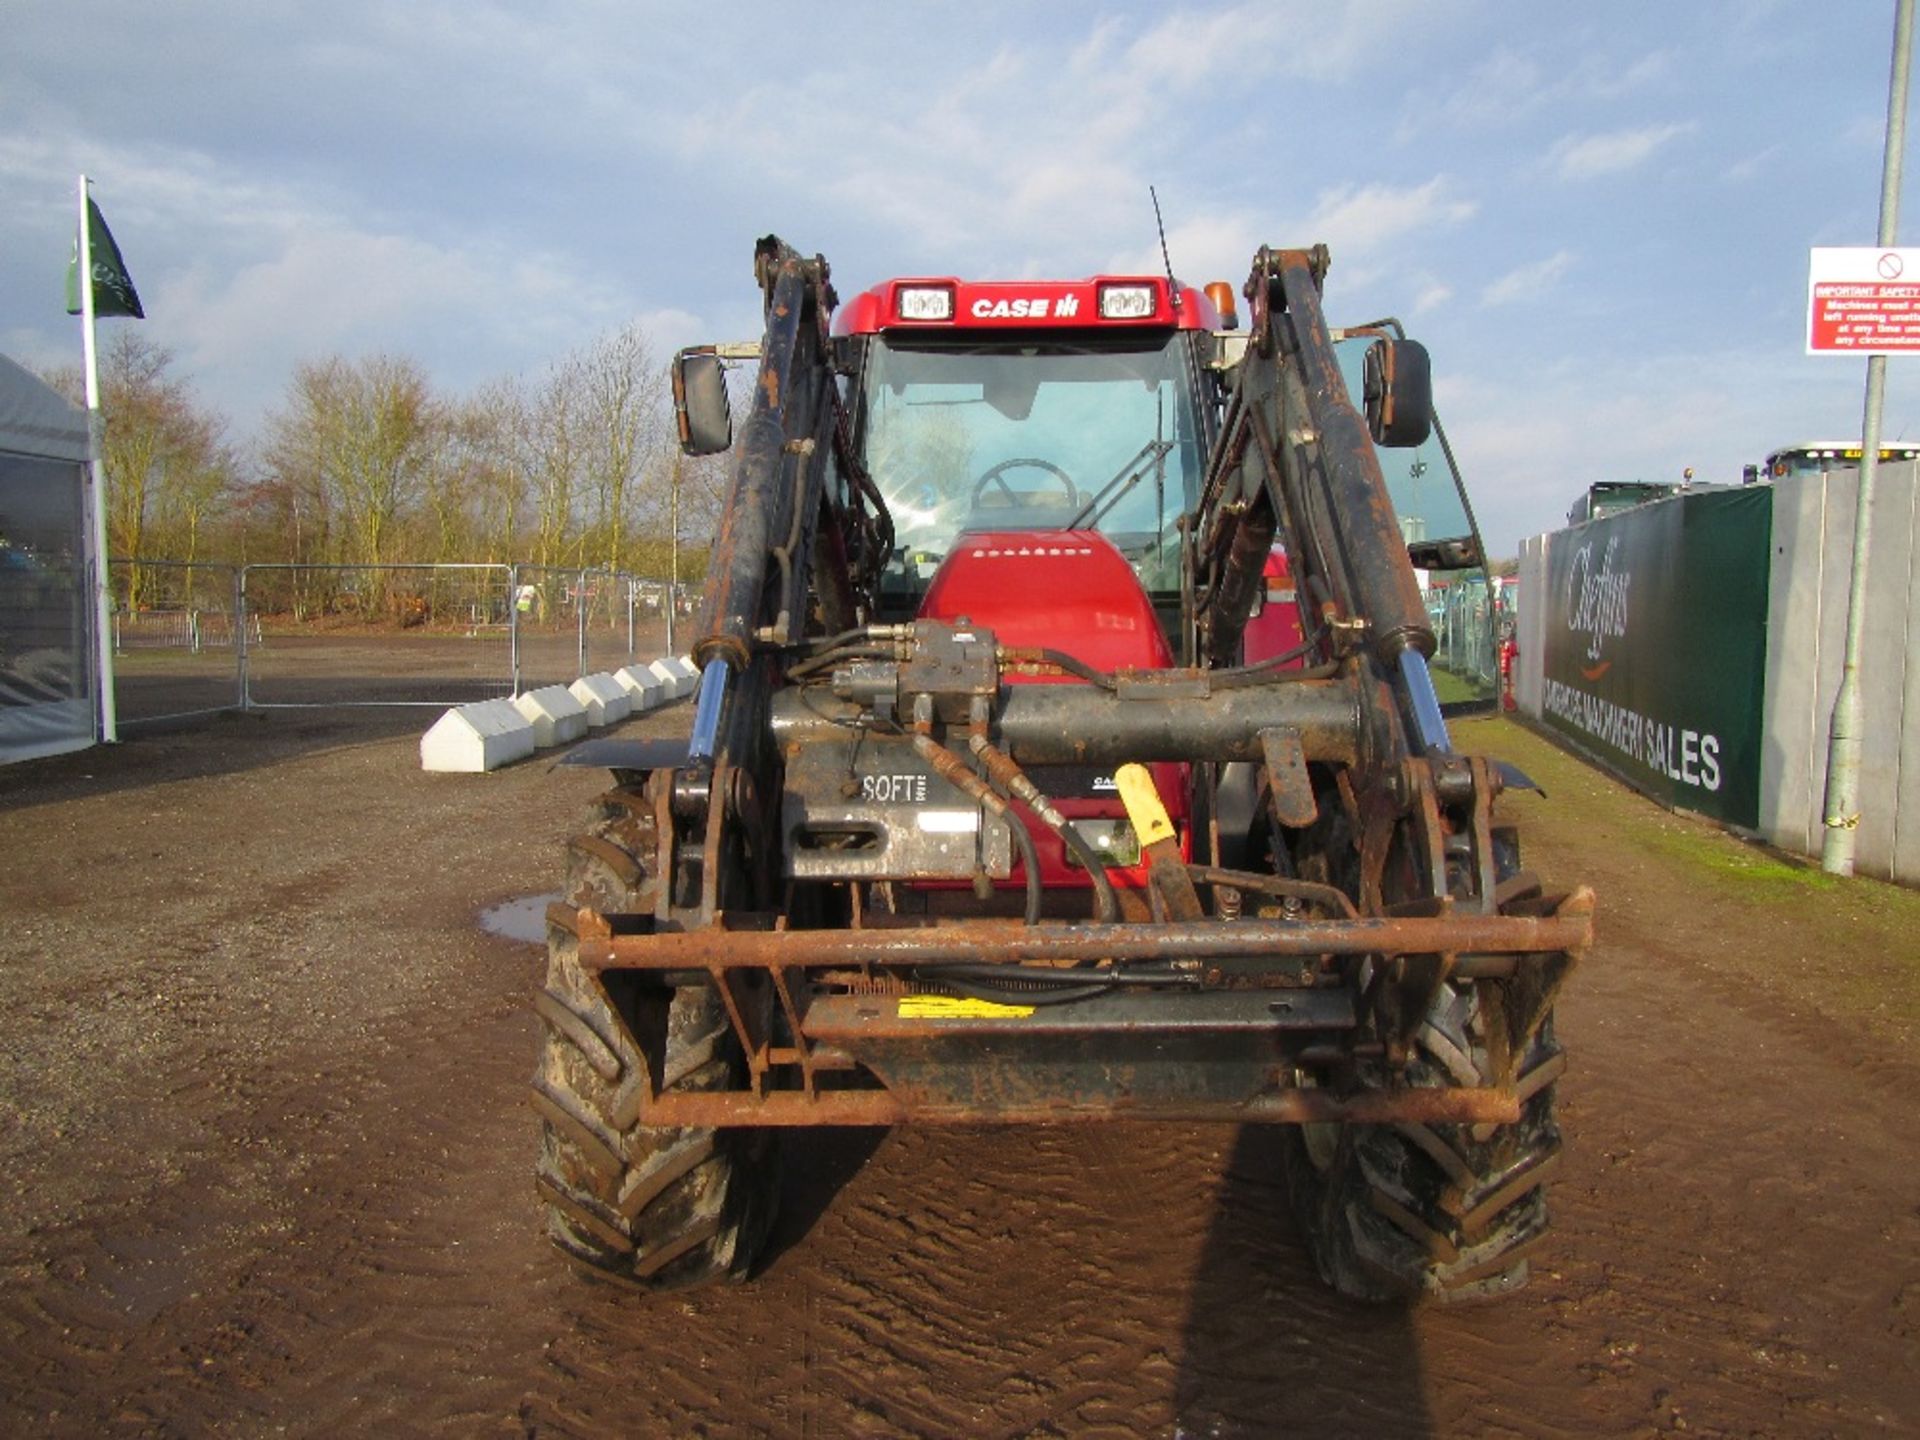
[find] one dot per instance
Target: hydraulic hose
(827, 659)
(954, 770)
(1060, 660)
(1270, 671)
(1261, 671)
(1106, 904)
(1007, 777)
(1029, 863)
(1035, 985)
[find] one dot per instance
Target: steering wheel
(996, 479)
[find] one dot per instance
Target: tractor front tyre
(1410, 1212)
(661, 1207)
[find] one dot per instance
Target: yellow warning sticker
(958, 1007)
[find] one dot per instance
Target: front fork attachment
(1426, 848)
(713, 841)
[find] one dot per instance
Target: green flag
(113, 292)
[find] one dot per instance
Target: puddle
(524, 919)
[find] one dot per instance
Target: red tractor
(1070, 744)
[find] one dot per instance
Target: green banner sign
(1656, 646)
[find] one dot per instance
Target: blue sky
(1597, 217)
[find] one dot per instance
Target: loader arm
(1295, 461)
(797, 550)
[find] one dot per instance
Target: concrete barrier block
(678, 676)
(669, 679)
(645, 688)
(469, 739)
(605, 698)
(688, 672)
(555, 715)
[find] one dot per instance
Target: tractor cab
(1031, 408)
(1089, 408)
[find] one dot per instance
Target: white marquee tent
(46, 674)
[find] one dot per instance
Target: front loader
(1070, 745)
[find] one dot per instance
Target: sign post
(1887, 323)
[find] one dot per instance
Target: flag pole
(107, 713)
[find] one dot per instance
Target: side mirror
(1397, 381)
(1460, 554)
(700, 406)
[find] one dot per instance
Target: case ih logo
(1038, 307)
(1596, 604)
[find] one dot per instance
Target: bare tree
(552, 438)
(361, 436)
(191, 509)
(164, 455)
(364, 464)
(623, 392)
(490, 433)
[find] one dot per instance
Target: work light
(1126, 302)
(925, 302)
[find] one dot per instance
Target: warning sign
(1863, 301)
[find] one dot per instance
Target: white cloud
(1051, 139)
(1752, 166)
(1359, 224)
(672, 329)
(1528, 282)
(1587, 157)
(1304, 39)
(1208, 246)
(245, 278)
(1597, 77)
(1501, 89)
(1509, 86)
(1368, 218)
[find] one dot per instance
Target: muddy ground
(265, 1161)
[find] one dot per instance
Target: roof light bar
(924, 302)
(1127, 302)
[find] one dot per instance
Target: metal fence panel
(1463, 627)
(573, 622)
(176, 639)
(550, 623)
(376, 634)
(193, 639)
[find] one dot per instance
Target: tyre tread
(1434, 1211)
(655, 1207)
(594, 1047)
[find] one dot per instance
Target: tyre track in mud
(963, 1281)
(269, 1167)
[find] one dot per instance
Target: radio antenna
(1173, 285)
